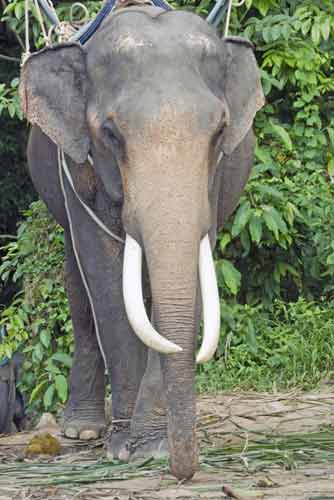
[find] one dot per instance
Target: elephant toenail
(88, 435)
(124, 454)
(71, 433)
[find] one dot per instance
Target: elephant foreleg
(84, 416)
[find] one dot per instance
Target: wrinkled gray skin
(156, 97)
(12, 413)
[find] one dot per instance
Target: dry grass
(249, 442)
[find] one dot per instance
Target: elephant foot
(155, 447)
(116, 443)
(144, 448)
(86, 422)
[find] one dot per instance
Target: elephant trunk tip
(183, 471)
(184, 460)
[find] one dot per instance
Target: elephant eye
(112, 137)
(219, 133)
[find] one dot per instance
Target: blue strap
(217, 13)
(87, 31)
(90, 29)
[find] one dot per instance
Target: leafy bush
(278, 239)
(291, 346)
(38, 321)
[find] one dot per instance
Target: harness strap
(87, 31)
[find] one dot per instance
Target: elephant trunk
(173, 272)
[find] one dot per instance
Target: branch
(8, 58)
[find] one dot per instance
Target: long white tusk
(134, 302)
(210, 302)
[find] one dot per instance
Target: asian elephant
(165, 109)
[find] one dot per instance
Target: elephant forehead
(127, 42)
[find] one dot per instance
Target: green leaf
(282, 134)
(326, 28)
(18, 10)
(45, 337)
(63, 358)
(255, 228)
(279, 220)
(224, 241)
(271, 223)
(38, 352)
(306, 26)
(61, 387)
(263, 6)
(48, 397)
(270, 191)
(11, 110)
(231, 275)
(241, 218)
(37, 391)
(315, 33)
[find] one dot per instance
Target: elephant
(164, 107)
(12, 407)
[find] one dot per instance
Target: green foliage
(292, 346)
(280, 238)
(38, 321)
(9, 99)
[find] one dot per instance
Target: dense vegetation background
(275, 258)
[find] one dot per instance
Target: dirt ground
(225, 421)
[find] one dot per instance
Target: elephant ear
(242, 90)
(53, 91)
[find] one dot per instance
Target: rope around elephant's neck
(89, 211)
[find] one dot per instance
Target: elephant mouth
(136, 312)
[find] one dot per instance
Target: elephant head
(156, 97)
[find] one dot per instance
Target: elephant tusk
(210, 302)
(134, 302)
